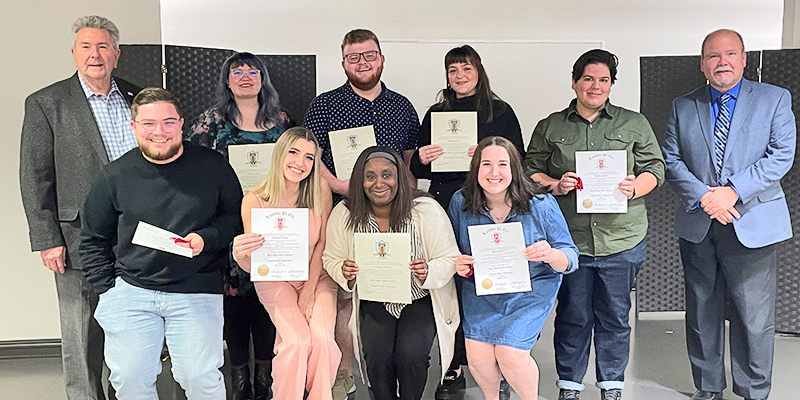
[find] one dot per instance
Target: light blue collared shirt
(734, 92)
(113, 118)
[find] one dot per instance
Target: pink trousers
(306, 356)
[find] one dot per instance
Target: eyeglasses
(239, 74)
(169, 125)
(369, 56)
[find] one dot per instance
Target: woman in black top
(467, 90)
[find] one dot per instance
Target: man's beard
(362, 85)
(171, 152)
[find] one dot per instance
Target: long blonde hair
(273, 188)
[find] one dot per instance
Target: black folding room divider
(660, 285)
(192, 74)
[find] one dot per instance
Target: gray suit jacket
(61, 152)
(759, 152)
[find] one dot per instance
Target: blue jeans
(136, 322)
(596, 298)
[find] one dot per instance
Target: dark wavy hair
(484, 96)
(596, 56)
(360, 206)
(268, 102)
(520, 191)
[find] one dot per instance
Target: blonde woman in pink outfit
(304, 313)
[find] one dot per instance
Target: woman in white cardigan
(394, 340)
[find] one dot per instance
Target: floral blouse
(212, 131)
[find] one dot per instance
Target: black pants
(245, 314)
(460, 347)
(397, 350)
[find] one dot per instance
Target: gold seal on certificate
(347, 145)
(456, 132)
(251, 162)
(284, 255)
(601, 172)
(500, 263)
(383, 271)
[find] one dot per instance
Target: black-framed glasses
(369, 56)
(239, 74)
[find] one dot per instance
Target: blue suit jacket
(759, 152)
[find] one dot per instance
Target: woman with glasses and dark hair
(304, 312)
(501, 329)
(247, 111)
(396, 339)
(467, 90)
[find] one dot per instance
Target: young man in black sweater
(148, 295)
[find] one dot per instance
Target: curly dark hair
(360, 206)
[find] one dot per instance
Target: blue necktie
(721, 127)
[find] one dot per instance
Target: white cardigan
(439, 250)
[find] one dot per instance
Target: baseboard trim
(40, 348)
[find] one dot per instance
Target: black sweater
(198, 192)
(445, 184)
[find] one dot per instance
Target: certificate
(601, 172)
(160, 239)
(383, 270)
(284, 255)
(456, 132)
(500, 263)
(347, 145)
(250, 162)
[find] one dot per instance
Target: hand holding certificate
(251, 162)
(383, 267)
(284, 255)
(500, 263)
(347, 145)
(600, 173)
(160, 239)
(455, 132)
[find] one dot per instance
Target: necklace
(500, 216)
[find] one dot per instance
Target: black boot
(263, 381)
(240, 383)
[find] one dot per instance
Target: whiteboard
(534, 77)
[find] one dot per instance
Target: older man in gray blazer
(71, 129)
(727, 146)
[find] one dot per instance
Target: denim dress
(514, 319)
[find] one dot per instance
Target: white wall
(36, 52)
(628, 28)
(791, 24)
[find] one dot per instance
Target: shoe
(611, 394)
(240, 383)
(505, 389)
(569, 394)
(450, 385)
(263, 381)
(703, 395)
(344, 385)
